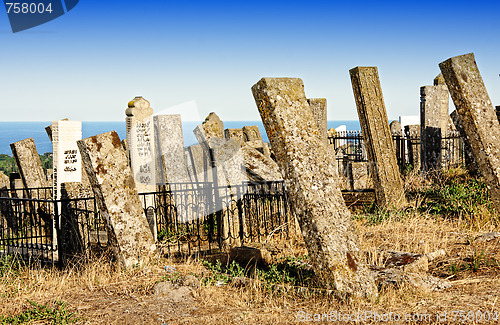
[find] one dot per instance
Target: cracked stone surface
(477, 117)
(377, 136)
(312, 182)
(117, 198)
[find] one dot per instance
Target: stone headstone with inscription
(141, 143)
(67, 163)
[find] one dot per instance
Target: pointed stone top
(439, 80)
(139, 108)
(214, 125)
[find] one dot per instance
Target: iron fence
(185, 218)
(349, 147)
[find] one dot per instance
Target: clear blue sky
(87, 64)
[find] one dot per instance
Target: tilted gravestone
(117, 198)
(377, 137)
(313, 186)
(433, 123)
(477, 117)
(319, 110)
(29, 164)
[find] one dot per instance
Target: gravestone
(358, 175)
(170, 144)
(319, 109)
(377, 137)
(48, 129)
(252, 137)
(141, 144)
(413, 135)
(477, 117)
(7, 217)
(117, 198)
(236, 134)
(395, 127)
(312, 182)
(16, 185)
(67, 164)
(202, 172)
(212, 127)
(29, 164)
(434, 121)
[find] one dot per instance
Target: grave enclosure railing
(186, 218)
(349, 146)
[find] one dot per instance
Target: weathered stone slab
(6, 211)
(29, 164)
(434, 121)
(202, 171)
(477, 117)
(141, 143)
(117, 198)
(236, 134)
(252, 137)
(358, 176)
(212, 127)
(377, 137)
(170, 143)
(259, 166)
(413, 135)
(312, 182)
(319, 109)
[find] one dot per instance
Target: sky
(200, 57)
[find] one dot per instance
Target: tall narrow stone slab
(477, 117)
(377, 137)
(202, 172)
(434, 121)
(7, 217)
(141, 143)
(29, 164)
(67, 164)
(412, 133)
(170, 144)
(313, 185)
(117, 198)
(319, 110)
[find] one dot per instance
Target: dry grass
(101, 293)
(104, 294)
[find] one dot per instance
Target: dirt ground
(100, 293)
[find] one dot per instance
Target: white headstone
(66, 155)
(141, 143)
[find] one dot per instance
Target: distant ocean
(11, 132)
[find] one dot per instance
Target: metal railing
(185, 218)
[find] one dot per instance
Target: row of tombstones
(306, 166)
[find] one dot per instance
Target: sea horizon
(11, 132)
